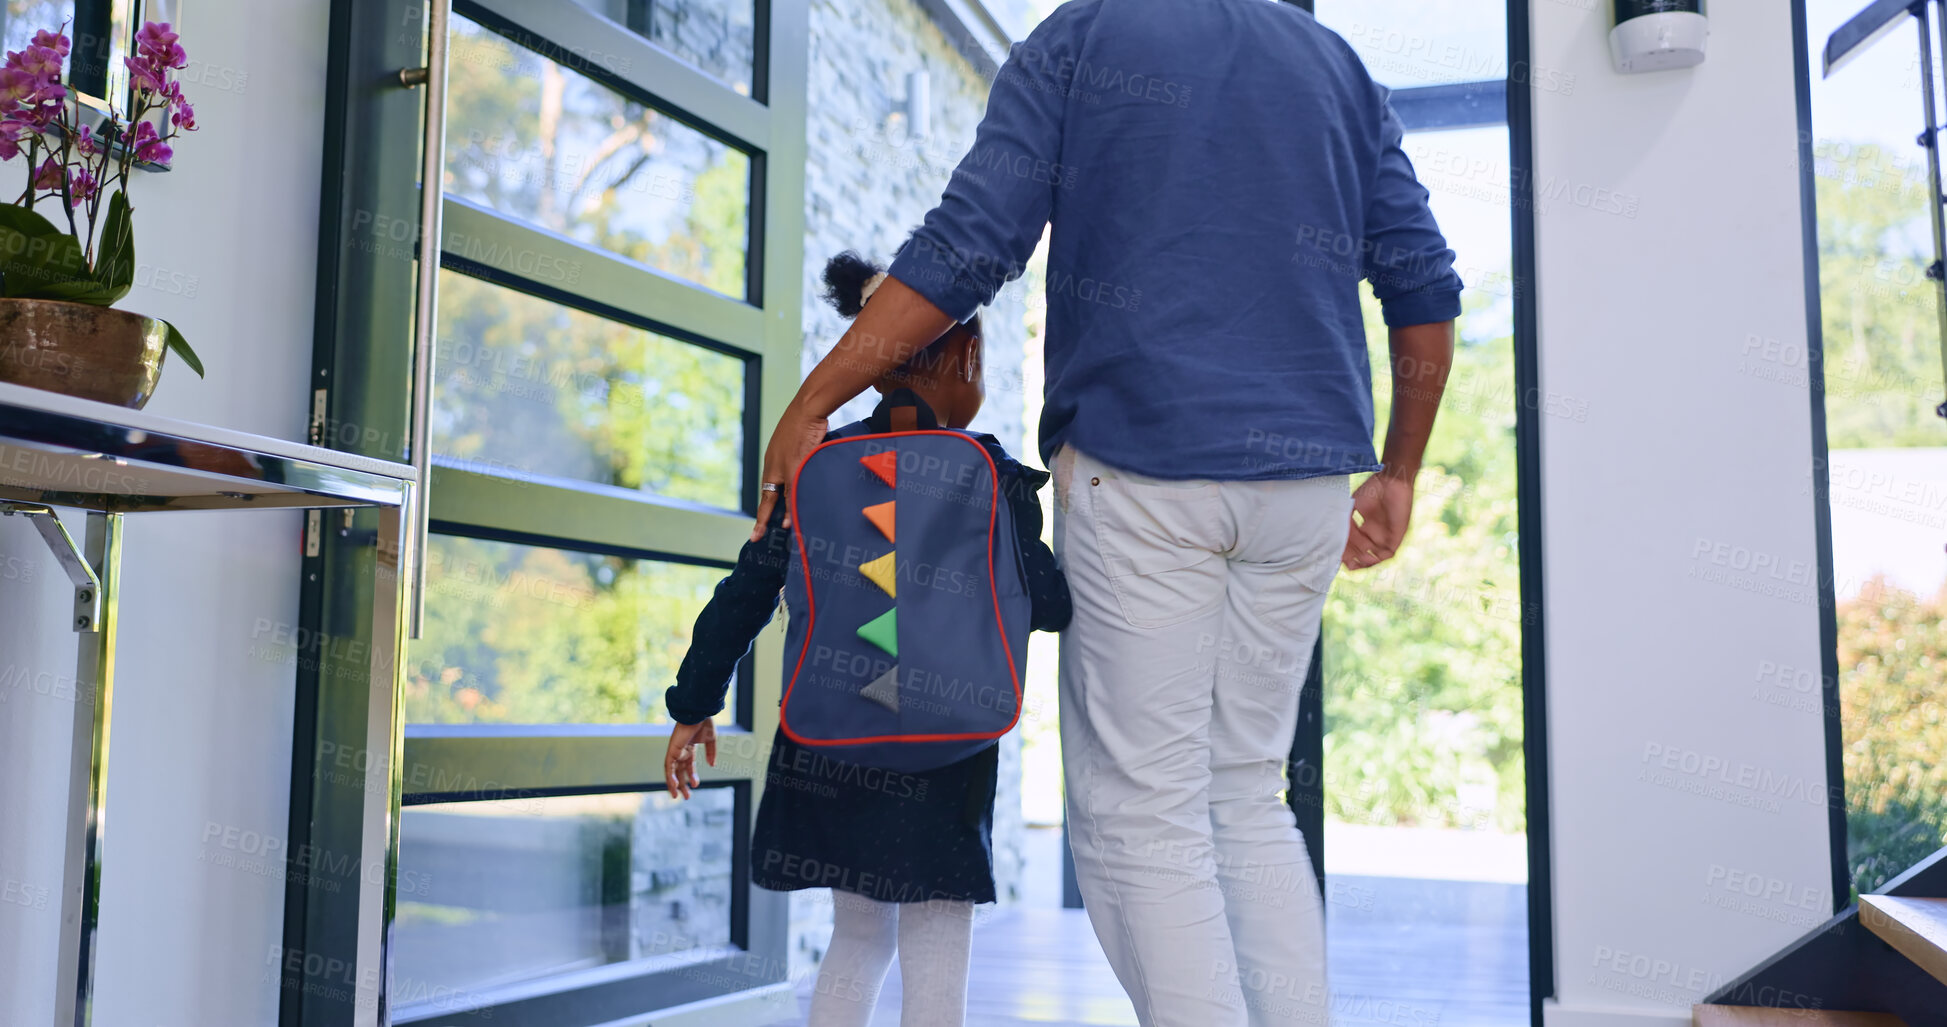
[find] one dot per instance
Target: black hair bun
(845, 278)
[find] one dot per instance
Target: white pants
(1196, 607)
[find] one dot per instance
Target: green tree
(533, 140)
(1891, 651)
(1881, 332)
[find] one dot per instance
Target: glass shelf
(63, 451)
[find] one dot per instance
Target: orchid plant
(81, 173)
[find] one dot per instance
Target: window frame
(1829, 684)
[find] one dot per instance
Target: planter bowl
(98, 353)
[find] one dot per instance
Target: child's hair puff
(845, 278)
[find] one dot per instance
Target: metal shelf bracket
(87, 586)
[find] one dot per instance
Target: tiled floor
(1402, 950)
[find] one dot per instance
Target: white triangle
(884, 689)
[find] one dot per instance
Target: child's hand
(679, 763)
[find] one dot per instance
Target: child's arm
(1047, 588)
(743, 603)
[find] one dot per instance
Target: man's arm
(896, 324)
(1422, 356)
(978, 238)
(1001, 195)
(1411, 270)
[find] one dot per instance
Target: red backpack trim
(811, 602)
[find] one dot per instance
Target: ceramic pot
(98, 353)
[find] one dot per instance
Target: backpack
(908, 599)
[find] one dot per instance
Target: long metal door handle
(425, 320)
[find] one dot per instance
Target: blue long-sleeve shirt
(1219, 176)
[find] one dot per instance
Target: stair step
(1916, 927)
(1752, 1016)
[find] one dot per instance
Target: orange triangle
(885, 465)
(880, 514)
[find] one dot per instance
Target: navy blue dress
(828, 823)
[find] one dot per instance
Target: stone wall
(868, 183)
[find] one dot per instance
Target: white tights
(933, 939)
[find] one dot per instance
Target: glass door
(604, 345)
(1424, 777)
(618, 317)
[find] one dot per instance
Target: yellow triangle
(880, 514)
(881, 573)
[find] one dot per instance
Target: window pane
(1880, 375)
(714, 35)
(534, 140)
(495, 893)
(23, 18)
(539, 388)
(1408, 43)
(521, 634)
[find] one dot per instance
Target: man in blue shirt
(1219, 176)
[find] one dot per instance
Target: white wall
(1679, 541)
(202, 707)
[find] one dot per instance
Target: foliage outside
(1423, 653)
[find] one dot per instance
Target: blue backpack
(908, 600)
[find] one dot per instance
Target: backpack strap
(902, 410)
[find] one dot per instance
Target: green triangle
(883, 631)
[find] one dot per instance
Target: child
(907, 855)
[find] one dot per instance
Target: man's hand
(796, 436)
(1381, 507)
(896, 324)
(1422, 356)
(679, 762)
